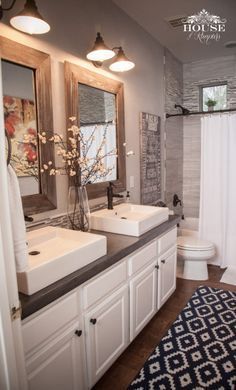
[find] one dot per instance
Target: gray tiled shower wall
(191, 166)
(195, 75)
(183, 137)
(206, 72)
(173, 131)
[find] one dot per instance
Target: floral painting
(20, 124)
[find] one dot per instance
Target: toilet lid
(193, 243)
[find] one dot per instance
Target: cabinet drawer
(38, 330)
(142, 258)
(166, 241)
(104, 284)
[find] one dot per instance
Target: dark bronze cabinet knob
(163, 261)
(78, 332)
(93, 321)
(157, 266)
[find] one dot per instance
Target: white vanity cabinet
(143, 295)
(106, 318)
(54, 347)
(143, 287)
(152, 273)
(107, 334)
(167, 258)
(72, 342)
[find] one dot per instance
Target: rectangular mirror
(26, 75)
(98, 104)
(20, 118)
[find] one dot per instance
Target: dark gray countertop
(118, 246)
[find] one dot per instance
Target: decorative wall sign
(150, 155)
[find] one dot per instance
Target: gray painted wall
(73, 31)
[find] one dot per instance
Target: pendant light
(29, 20)
(121, 63)
(100, 52)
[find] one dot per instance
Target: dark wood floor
(119, 376)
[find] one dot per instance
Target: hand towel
(17, 222)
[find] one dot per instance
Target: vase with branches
(82, 167)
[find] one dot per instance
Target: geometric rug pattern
(199, 350)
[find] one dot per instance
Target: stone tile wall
(173, 131)
(206, 72)
(191, 166)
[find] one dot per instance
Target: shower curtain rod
(201, 112)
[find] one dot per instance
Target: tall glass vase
(78, 208)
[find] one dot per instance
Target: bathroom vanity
(75, 329)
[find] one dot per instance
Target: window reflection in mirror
(110, 94)
(21, 124)
(97, 110)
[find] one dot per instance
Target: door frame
(12, 369)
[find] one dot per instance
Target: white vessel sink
(129, 219)
(56, 252)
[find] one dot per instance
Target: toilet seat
(195, 252)
(193, 244)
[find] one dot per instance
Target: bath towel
(17, 222)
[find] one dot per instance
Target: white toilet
(195, 252)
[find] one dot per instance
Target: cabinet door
(167, 276)
(107, 333)
(143, 295)
(60, 365)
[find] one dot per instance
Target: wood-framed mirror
(26, 76)
(96, 100)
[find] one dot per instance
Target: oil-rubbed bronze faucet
(111, 195)
(176, 200)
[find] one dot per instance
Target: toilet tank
(188, 227)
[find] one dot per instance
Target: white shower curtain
(217, 221)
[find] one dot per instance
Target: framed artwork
(150, 154)
(20, 124)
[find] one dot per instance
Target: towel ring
(8, 147)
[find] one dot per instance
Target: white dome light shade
(29, 20)
(100, 52)
(100, 55)
(121, 62)
(29, 24)
(122, 66)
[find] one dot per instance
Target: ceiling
(152, 15)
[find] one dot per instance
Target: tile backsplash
(62, 220)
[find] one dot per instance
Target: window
(214, 97)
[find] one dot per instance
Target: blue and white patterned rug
(199, 350)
